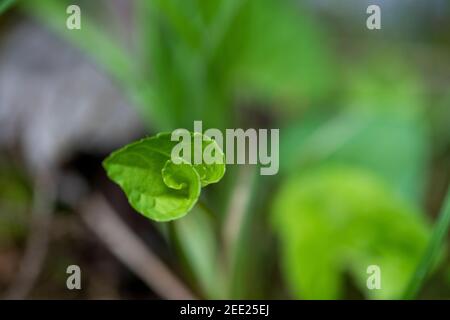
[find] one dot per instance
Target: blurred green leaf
(281, 53)
(155, 186)
(317, 137)
(394, 148)
(242, 51)
(338, 220)
(380, 128)
(384, 83)
(195, 56)
(387, 91)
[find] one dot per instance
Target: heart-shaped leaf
(337, 220)
(156, 186)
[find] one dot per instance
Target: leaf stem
(432, 251)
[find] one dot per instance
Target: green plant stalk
(4, 5)
(437, 239)
(241, 245)
(229, 10)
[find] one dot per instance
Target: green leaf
(385, 84)
(382, 129)
(155, 186)
(339, 220)
(395, 148)
(282, 54)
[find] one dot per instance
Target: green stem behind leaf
(434, 246)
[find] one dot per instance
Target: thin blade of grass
(429, 258)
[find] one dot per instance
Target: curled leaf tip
(154, 185)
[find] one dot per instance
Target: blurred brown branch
(130, 250)
(37, 242)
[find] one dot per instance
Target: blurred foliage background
(364, 120)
